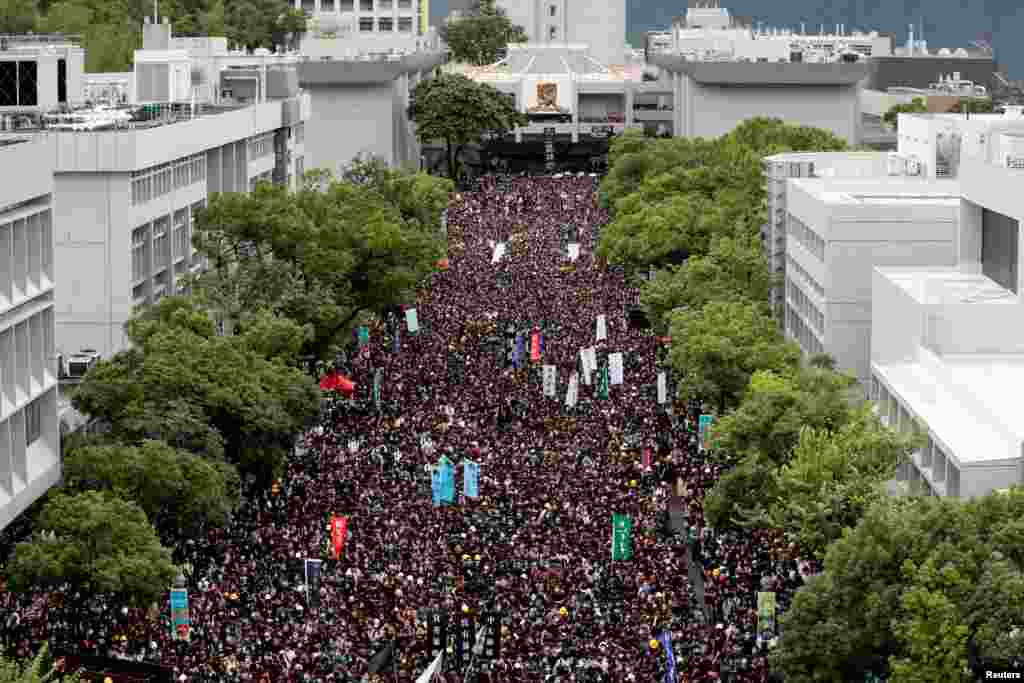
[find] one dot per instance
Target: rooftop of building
(883, 190)
(549, 59)
(762, 73)
(968, 399)
(112, 118)
(823, 156)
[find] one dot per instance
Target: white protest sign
(550, 380)
(602, 328)
(662, 387)
(615, 368)
(412, 321)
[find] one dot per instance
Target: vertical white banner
(662, 387)
(574, 251)
(412, 321)
(602, 328)
(615, 368)
(499, 251)
(574, 386)
(550, 380)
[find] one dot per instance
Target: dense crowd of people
(534, 548)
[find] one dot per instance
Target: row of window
(810, 240)
(795, 268)
(159, 245)
(26, 257)
(350, 5)
(935, 466)
(261, 146)
(26, 350)
(386, 24)
(803, 304)
(158, 181)
(803, 335)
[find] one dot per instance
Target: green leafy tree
(420, 198)
(97, 544)
(40, 669)
(181, 493)
(481, 37)
(721, 345)
(767, 135)
(734, 269)
(460, 111)
(17, 16)
(760, 435)
(974, 105)
(919, 588)
(320, 258)
(214, 20)
(261, 23)
(833, 477)
(256, 404)
(775, 407)
(915, 106)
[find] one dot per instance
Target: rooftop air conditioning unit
(77, 364)
(897, 164)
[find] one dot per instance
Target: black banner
(437, 632)
(464, 639)
(491, 623)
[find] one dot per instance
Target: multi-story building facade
(29, 438)
(838, 230)
(127, 199)
(38, 73)
(401, 17)
(778, 169)
(600, 26)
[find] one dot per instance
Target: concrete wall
(349, 120)
(716, 110)
(93, 256)
(601, 25)
(859, 238)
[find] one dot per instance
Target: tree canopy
(923, 589)
(717, 348)
(322, 258)
(459, 111)
(97, 544)
(255, 404)
(734, 269)
(481, 36)
(181, 493)
(915, 106)
(40, 669)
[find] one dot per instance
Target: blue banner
(398, 340)
(437, 486)
(470, 479)
(447, 482)
(670, 658)
(520, 350)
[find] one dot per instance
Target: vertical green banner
(602, 383)
(765, 616)
(622, 537)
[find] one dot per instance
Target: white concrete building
(600, 26)
(838, 230)
(389, 17)
(778, 169)
(947, 353)
(29, 438)
(38, 73)
(126, 200)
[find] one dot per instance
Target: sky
(947, 23)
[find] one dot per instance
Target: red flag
(443, 263)
(535, 345)
(336, 382)
(339, 530)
